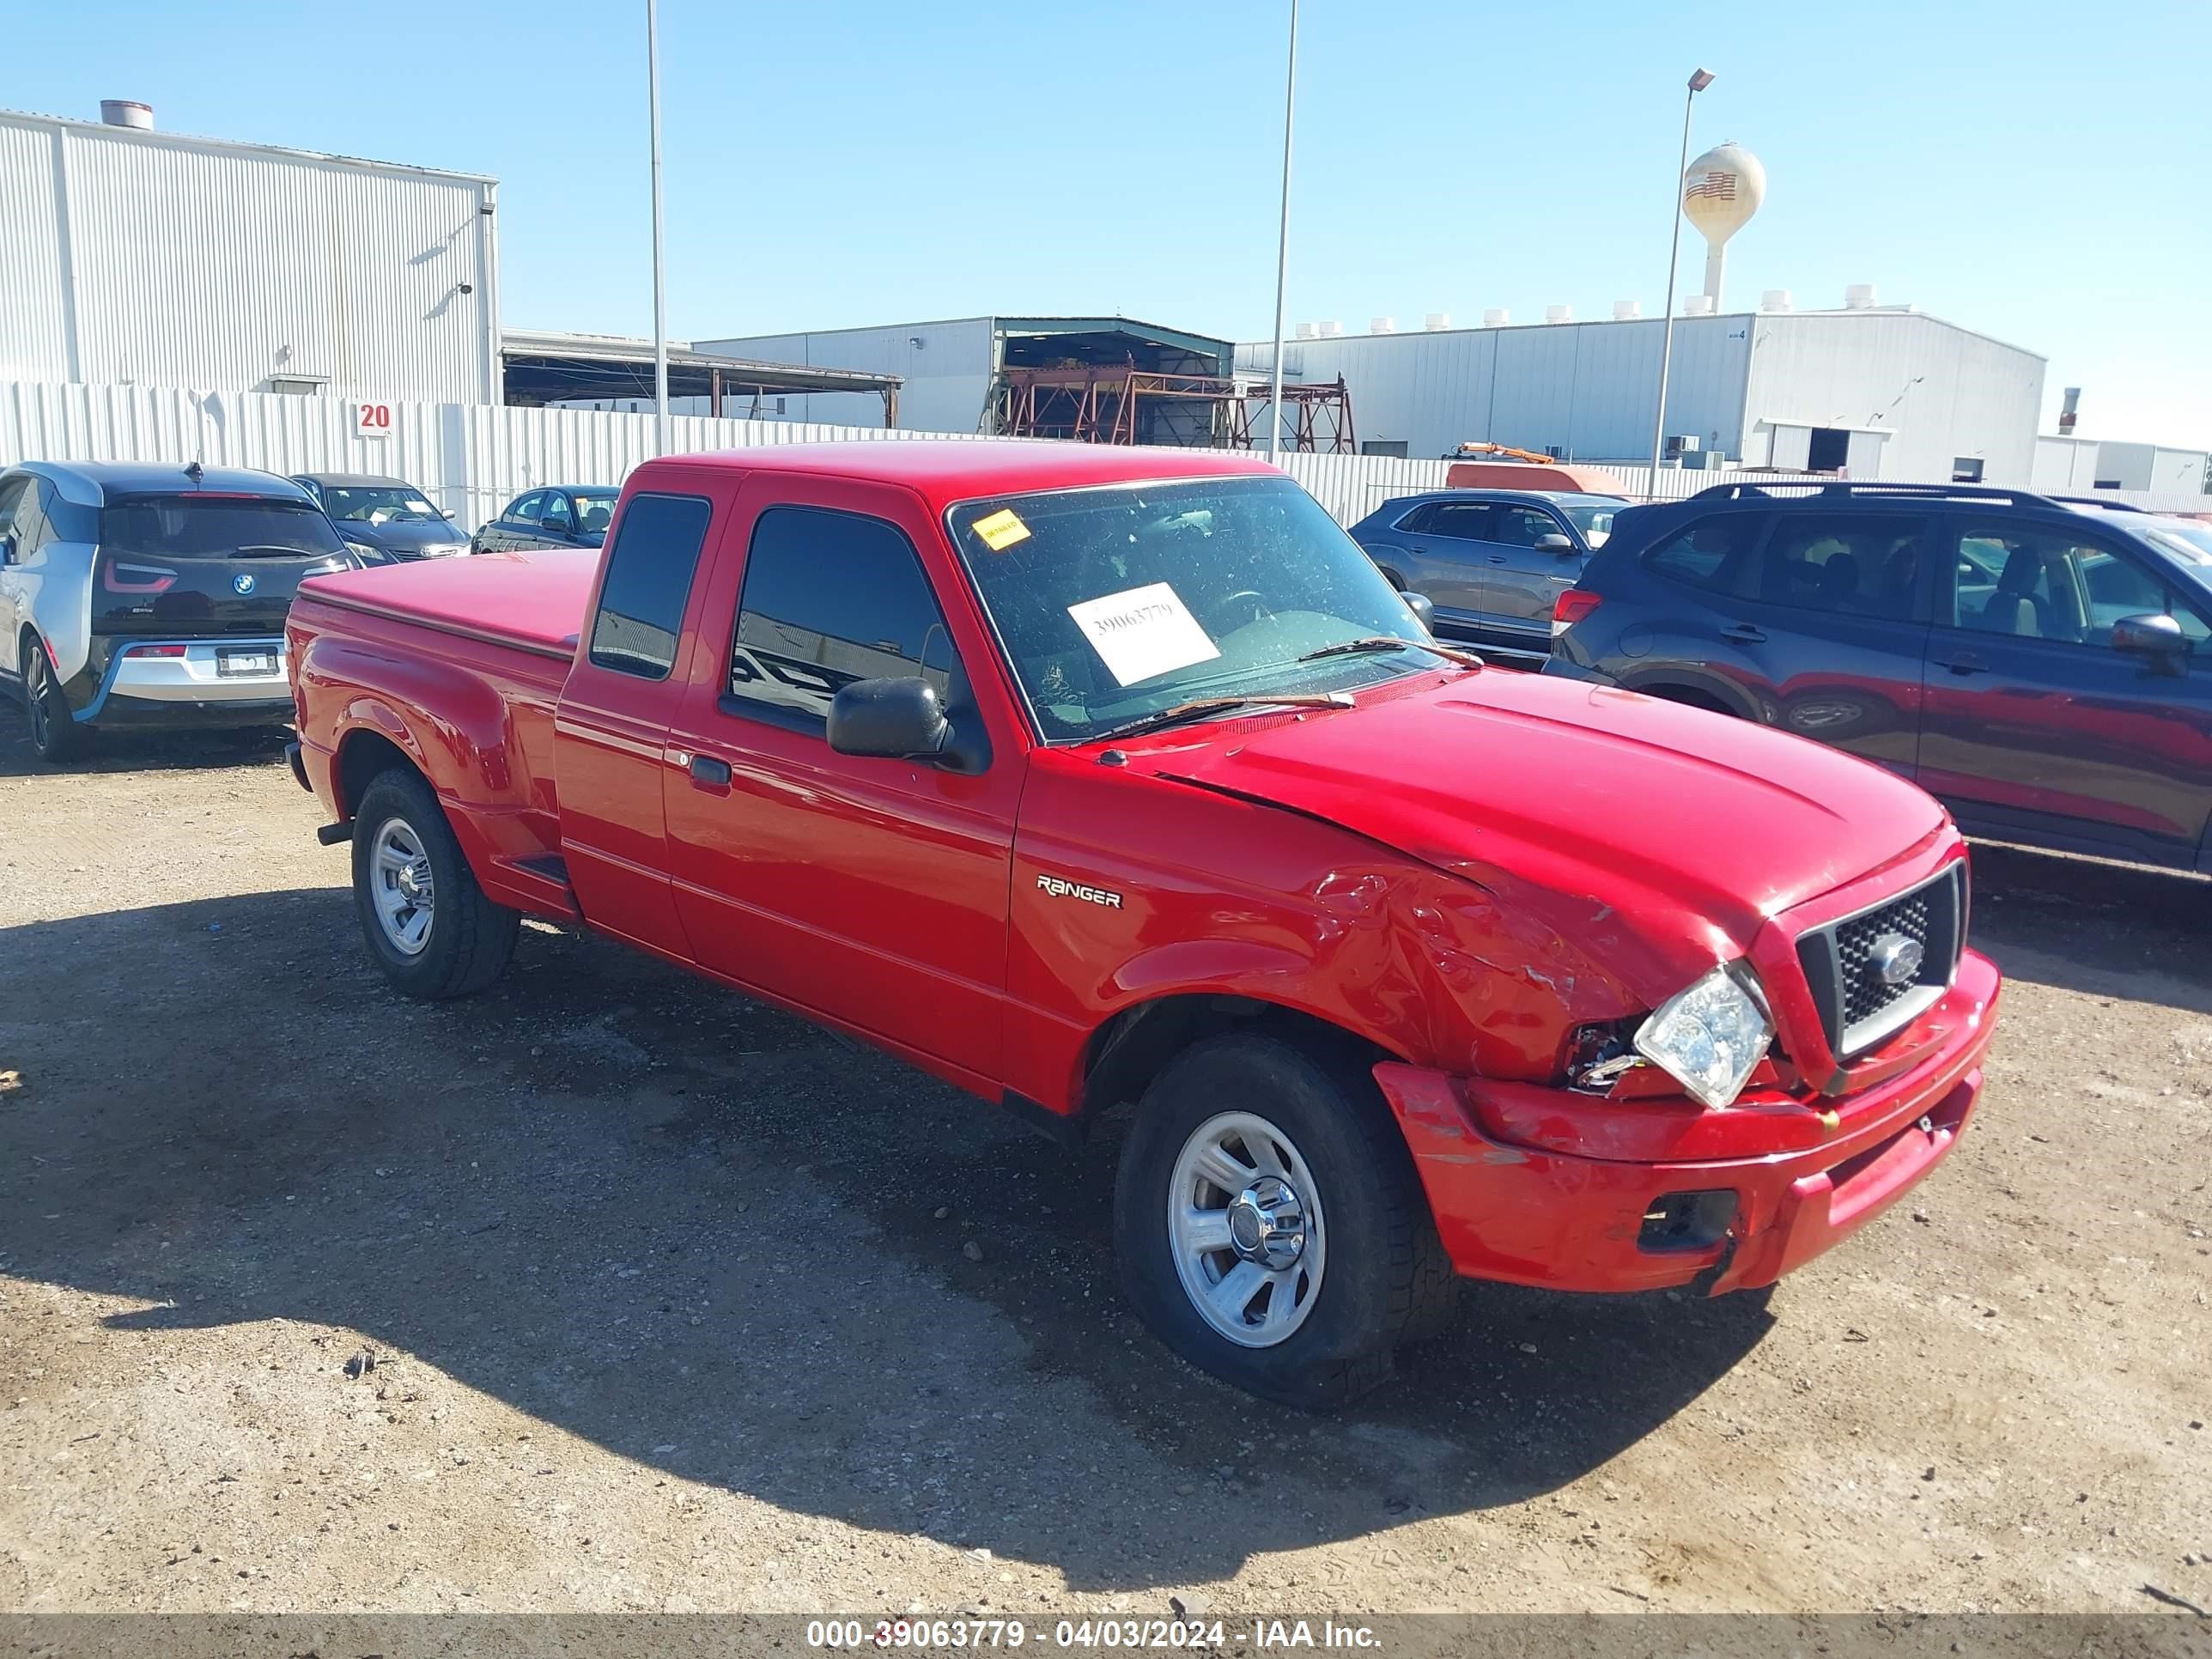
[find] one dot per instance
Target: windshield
(216, 526)
(2183, 538)
(1593, 516)
(594, 508)
(1119, 603)
(379, 504)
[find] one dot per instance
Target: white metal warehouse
(1871, 391)
(132, 256)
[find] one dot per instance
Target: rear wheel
(1270, 1227)
(428, 924)
(55, 733)
(1392, 577)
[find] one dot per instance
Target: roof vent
(1438, 321)
(1859, 297)
(1381, 324)
(1497, 317)
(127, 112)
(1331, 330)
(1307, 331)
(1775, 299)
(1559, 314)
(1625, 310)
(1698, 305)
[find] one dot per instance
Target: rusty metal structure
(1122, 403)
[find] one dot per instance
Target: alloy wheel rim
(1244, 1225)
(34, 695)
(401, 888)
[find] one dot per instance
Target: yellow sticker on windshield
(1002, 529)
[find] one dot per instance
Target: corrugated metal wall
(947, 368)
(474, 458)
(153, 259)
(1942, 392)
(1588, 388)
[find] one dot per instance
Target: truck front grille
(1861, 970)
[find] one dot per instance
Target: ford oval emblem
(1897, 959)
(242, 583)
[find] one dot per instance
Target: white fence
(474, 458)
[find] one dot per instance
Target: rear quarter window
(649, 567)
(1712, 554)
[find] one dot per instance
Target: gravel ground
(611, 1291)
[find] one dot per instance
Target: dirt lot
(670, 1309)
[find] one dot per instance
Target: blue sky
(2038, 171)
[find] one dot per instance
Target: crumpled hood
(1685, 828)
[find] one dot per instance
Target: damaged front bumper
(1549, 1187)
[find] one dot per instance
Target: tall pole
(1699, 81)
(1283, 241)
(659, 291)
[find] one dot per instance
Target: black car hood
(408, 538)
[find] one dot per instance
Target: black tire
(1385, 1279)
(56, 735)
(468, 938)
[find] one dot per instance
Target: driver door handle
(708, 773)
(1744, 634)
(1964, 662)
(1498, 558)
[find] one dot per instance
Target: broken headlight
(1710, 1037)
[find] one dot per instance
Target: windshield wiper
(1199, 708)
(1386, 642)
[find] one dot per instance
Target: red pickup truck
(1094, 778)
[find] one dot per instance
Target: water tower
(1721, 190)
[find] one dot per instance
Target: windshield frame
(1010, 669)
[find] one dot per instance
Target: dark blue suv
(2039, 665)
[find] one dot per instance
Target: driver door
(2034, 726)
(1525, 580)
(871, 892)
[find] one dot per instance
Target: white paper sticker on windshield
(1143, 632)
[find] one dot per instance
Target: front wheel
(56, 734)
(1269, 1223)
(428, 924)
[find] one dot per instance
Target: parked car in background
(151, 596)
(2038, 664)
(1088, 777)
(383, 520)
(1493, 561)
(558, 515)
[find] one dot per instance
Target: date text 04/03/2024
(1106, 1635)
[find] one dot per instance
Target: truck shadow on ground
(141, 752)
(711, 1238)
(2105, 930)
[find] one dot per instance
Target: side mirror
(892, 719)
(449, 513)
(1424, 611)
(1555, 543)
(8, 548)
(2156, 638)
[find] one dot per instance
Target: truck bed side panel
(472, 712)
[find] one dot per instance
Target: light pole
(1700, 80)
(1283, 242)
(659, 293)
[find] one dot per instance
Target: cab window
(831, 598)
(1849, 564)
(648, 583)
(2037, 584)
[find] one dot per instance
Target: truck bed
(485, 641)
(533, 600)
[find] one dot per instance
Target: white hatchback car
(136, 595)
